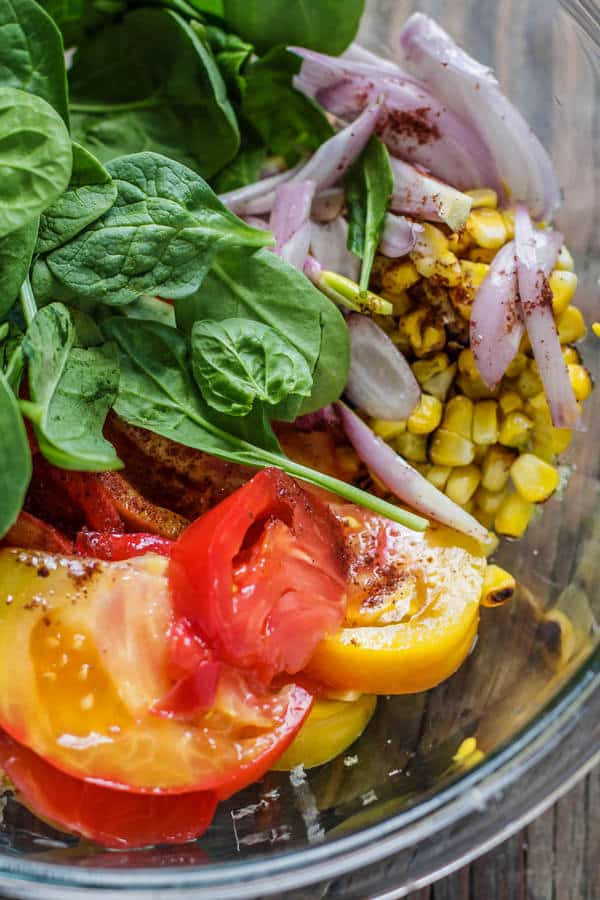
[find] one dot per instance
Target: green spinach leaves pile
(105, 209)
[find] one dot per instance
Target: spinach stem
(130, 106)
(28, 304)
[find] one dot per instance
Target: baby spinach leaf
(160, 236)
(231, 54)
(16, 251)
(368, 188)
(69, 16)
(31, 53)
(149, 82)
(263, 288)
(91, 192)
(286, 120)
(15, 458)
(11, 357)
(71, 389)
(324, 25)
(242, 170)
(238, 364)
(35, 158)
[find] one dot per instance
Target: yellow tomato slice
(331, 726)
(413, 609)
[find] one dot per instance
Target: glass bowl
(402, 807)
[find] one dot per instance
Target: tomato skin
(87, 493)
(262, 575)
(114, 819)
(108, 546)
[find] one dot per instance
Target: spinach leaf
(91, 192)
(71, 389)
(231, 54)
(242, 170)
(16, 251)
(46, 288)
(239, 364)
(31, 53)
(263, 288)
(160, 236)
(287, 121)
(149, 82)
(35, 158)
(15, 458)
(324, 25)
(69, 16)
(368, 187)
(11, 357)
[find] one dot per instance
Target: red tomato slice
(111, 818)
(262, 575)
(102, 545)
(86, 656)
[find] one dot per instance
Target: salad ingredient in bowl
(260, 431)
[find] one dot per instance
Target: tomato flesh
(105, 545)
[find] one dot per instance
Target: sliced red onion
(247, 200)
(472, 91)
(256, 222)
(536, 253)
(361, 56)
(290, 221)
(329, 246)
(323, 419)
(399, 236)
(328, 204)
(405, 482)
(427, 198)
(380, 381)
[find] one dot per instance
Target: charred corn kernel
(439, 385)
(433, 338)
(459, 242)
(529, 382)
(565, 261)
(580, 381)
(433, 258)
(509, 401)
(424, 369)
(596, 329)
(451, 449)
(516, 365)
(489, 502)
(534, 479)
(438, 476)
(473, 387)
(514, 516)
(396, 279)
(412, 446)
(498, 586)
(571, 325)
(430, 242)
(401, 303)
(426, 417)
(463, 483)
(485, 422)
(386, 323)
(388, 430)
(458, 416)
(481, 255)
(483, 197)
(508, 217)
(570, 355)
(515, 428)
(473, 272)
(495, 470)
(466, 362)
(487, 228)
(563, 286)
(411, 324)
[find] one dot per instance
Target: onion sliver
(329, 246)
(290, 221)
(399, 236)
(427, 198)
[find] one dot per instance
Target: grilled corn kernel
(487, 228)
(424, 369)
(463, 483)
(485, 422)
(483, 197)
(516, 365)
(580, 381)
(563, 286)
(514, 431)
(571, 325)
(509, 401)
(489, 502)
(439, 384)
(397, 278)
(438, 476)
(451, 449)
(466, 362)
(473, 272)
(565, 261)
(508, 217)
(459, 242)
(514, 516)
(458, 416)
(412, 446)
(401, 303)
(432, 339)
(498, 586)
(426, 417)
(480, 451)
(388, 429)
(495, 470)
(529, 382)
(570, 355)
(534, 479)
(432, 257)
(481, 255)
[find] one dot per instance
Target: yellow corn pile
(493, 452)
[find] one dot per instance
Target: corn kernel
(495, 470)
(485, 519)
(481, 255)
(466, 362)
(534, 479)
(517, 364)
(433, 338)
(411, 324)
(529, 382)
(563, 286)
(561, 439)
(489, 502)
(388, 429)
(423, 369)
(485, 422)
(514, 516)
(451, 449)
(498, 586)
(399, 277)
(580, 381)
(426, 417)
(514, 431)
(571, 325)
(401, 303)
(509, 401)
(463, 483)
(473, 387)
(459, 242)
(487, 228)
(483, 197)
(565, 261)
(439, 384)
(596, 329)
(458, 416)
(432, 257)
(438, 476)
(538, 411)
(412, 446)
(570, 355)
(508, 217)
